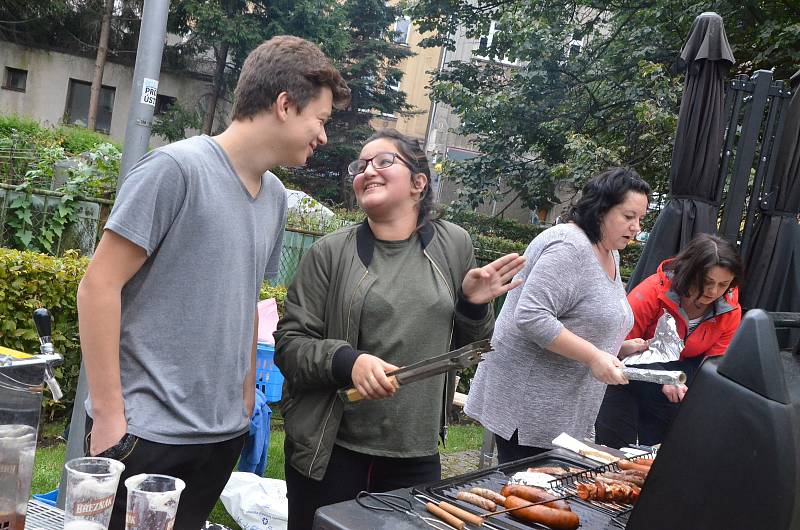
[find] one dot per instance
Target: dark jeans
(205, 468)
(510, 450)
(348, 473)
(639, 412)
(634, 413)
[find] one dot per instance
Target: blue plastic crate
(48, 498)
(268, 378)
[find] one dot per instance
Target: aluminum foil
(665, 346)
(663, 377)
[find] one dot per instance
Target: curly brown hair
(286, 64)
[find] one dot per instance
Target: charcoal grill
(731, 460)
(594, 515)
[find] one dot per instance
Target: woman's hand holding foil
(633, 346)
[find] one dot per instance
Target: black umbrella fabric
(693, 205)
(772, 259)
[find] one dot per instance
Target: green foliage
(71, 26)
(93, 176)
(277, 292)
(28, 281)
(76, 140)
(479, 224)
(173, 123)
(25, 133)
(559, 115)
(11, 124)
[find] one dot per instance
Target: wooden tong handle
(353, 394)
(448, 518)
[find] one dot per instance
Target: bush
(278, 293)
(16, 124)
(479, 224)
(28, 281)
(76, 140)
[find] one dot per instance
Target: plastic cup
(152, 501)
(91, 489)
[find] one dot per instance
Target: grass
(50, 459)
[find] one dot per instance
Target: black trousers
(639, 412)
(634, 413)
(510, 450)
(348, 473)
(205, 468)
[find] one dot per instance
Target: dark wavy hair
(703, 253)
(600, 194)
(411, 150)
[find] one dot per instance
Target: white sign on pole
(149, 91)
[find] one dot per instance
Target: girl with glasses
(396, 289)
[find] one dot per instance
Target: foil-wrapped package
(662, 377)
(665, 346)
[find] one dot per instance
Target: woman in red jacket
(698, 287)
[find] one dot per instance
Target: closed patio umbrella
(694, 172)
(772, 260)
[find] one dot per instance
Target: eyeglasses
(379, 161)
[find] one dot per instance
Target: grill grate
(594, 515)
(43, 517)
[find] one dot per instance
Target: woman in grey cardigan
(557, 337)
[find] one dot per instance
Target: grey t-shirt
(187, 315)
(407, 317)
(524, 386)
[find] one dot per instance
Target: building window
(163, 103)
(16, 79)
(402, 30)
(576, 44)
(77, 112)
(486, 41)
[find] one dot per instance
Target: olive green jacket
(323, 311)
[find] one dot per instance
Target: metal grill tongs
(463, 357)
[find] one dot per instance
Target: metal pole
(145, 84)
(137, 137)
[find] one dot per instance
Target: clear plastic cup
(152, 501)
(91, 489)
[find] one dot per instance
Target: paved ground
(459, 463)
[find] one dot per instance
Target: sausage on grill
(532, 494)
(627, 464)
(477, 500)
(555, 519)
(489, 494)
(633, 480)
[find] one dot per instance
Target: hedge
(28, 281)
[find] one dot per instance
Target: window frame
(406, 35)
(10, 70)
(71, 82)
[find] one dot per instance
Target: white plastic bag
(256, 503)
(267, 320)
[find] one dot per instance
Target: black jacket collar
(365, 240)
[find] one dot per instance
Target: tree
(563, 112)
(225, 27)
(100, 63)
(369, 63)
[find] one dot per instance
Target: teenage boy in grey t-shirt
(168, 304)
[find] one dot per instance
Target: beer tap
(43, 323)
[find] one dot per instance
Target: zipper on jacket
(439, 271)
(322, 435)
(330, 410)
(350, 306)
(452, 328)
